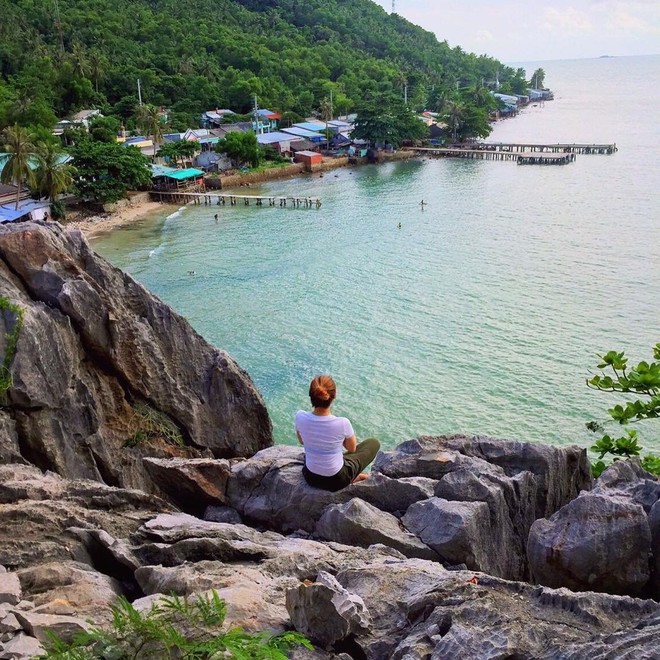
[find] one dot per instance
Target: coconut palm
(20, 148)
(326, 114)
(97, 66)
(538, 79)
(53, 175)
(149, 118)
(79, 61)
(454, 114)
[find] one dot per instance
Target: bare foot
(361, 477)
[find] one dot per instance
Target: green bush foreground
(185, 628)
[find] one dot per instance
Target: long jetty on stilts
(222, 199)
(523, 154)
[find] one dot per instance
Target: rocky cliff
(98, 372)
(123, 438)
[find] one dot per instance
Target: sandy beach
(139, 206)
(100, 224)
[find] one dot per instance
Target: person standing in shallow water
(324, 437)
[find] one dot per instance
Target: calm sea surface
(481, 313)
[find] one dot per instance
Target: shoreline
(140, 205)
(94, 226)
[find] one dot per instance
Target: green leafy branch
(641, 380)
(185, 628)
(11, 340)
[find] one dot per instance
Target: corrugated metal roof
(301, 132)
(161, 170)
(189, 173)
(277, 136)
(311, 125)
(173, 173)
(8, 212)
(33, 162)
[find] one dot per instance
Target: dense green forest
(58, 56)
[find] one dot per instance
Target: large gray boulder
(502, 537)
(420, 610)
(10, 588)
(269, 490)
(602, 540)
(458, 532)
(654, 526)
(194, 483)
(325, 612)
(77, 585)
(518, 482)
(38, 512)
(560, 473)
(101, 363)
(359, 523)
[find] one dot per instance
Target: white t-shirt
(323, 437)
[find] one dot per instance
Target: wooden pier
(588, 149)
(531, 158)
(523, 154)
(222, 199)
(545, 159)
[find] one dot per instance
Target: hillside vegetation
(58, 56)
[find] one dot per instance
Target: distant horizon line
(571, 59)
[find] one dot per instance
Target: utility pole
(257, 129)
(405, 93)
(139, 92)
(394, 6)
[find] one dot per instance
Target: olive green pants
(354, 463)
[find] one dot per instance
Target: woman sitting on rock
(324, 436)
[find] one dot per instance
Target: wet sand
(101, 224)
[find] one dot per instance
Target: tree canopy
(391, 123)
(106, 170)
(194, 55)
(242, 148)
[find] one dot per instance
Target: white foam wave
(176, 214)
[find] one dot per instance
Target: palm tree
(538, 79)
(454, 113)
(19, 144)
(326, 114)
(97, 67)
(79, 61)
(149, 118)
(53, 175)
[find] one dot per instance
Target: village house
(172, 180)
(279, 140)
(269, 119)
(312, 136)
(28, 209)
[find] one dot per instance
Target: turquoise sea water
(482, 313)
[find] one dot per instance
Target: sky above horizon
(524, 31)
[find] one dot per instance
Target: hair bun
(322, 390)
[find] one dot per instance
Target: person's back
(324, 436)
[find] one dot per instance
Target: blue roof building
(304, 133)
(28, 209)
